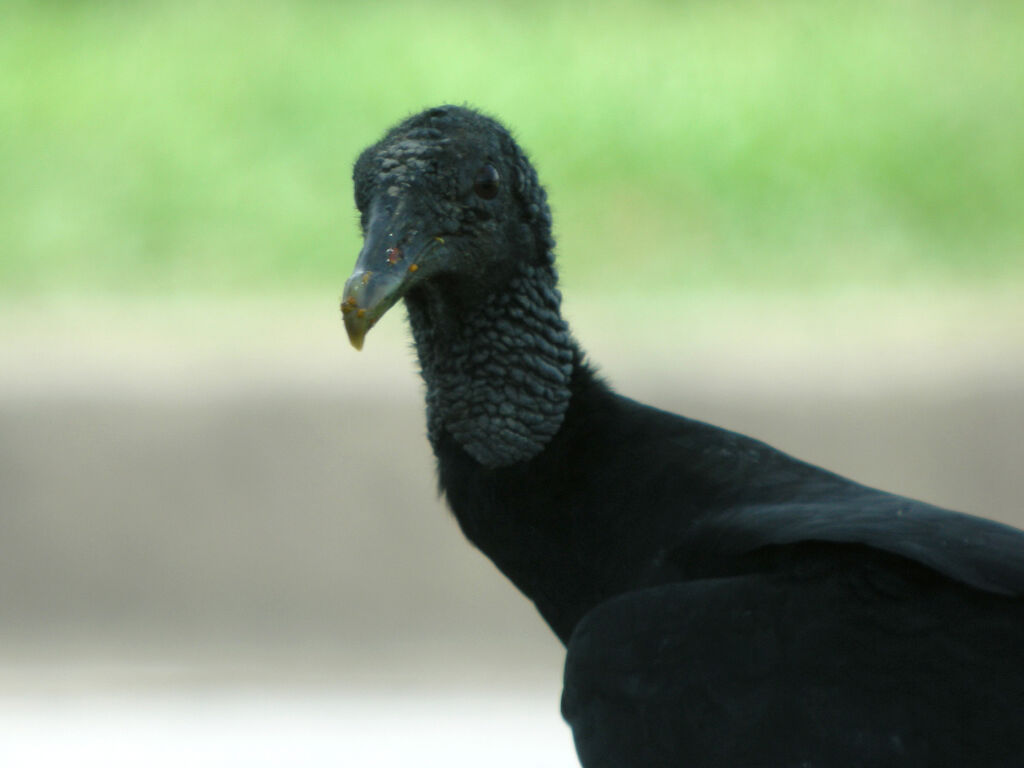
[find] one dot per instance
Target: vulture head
(446, 199)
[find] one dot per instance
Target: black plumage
(722, 603)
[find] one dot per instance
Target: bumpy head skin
(455, 222)
(422, 214)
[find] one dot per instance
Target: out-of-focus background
(220, 542)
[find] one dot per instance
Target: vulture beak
(386, 268)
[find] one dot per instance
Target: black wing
(872, 663)
(734, 494)
(981, 553)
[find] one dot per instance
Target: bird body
(722, 603)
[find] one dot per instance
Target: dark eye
(485, 184)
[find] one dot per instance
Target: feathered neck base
(497, 371)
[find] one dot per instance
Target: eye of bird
(485, 184)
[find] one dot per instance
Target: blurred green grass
(177, 147)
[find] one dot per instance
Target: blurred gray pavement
(242, 500)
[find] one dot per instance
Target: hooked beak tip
(356, 324)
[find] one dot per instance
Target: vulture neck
(497, 367)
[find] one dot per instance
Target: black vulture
(721, 603)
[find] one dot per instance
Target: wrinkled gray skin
(477, 277)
